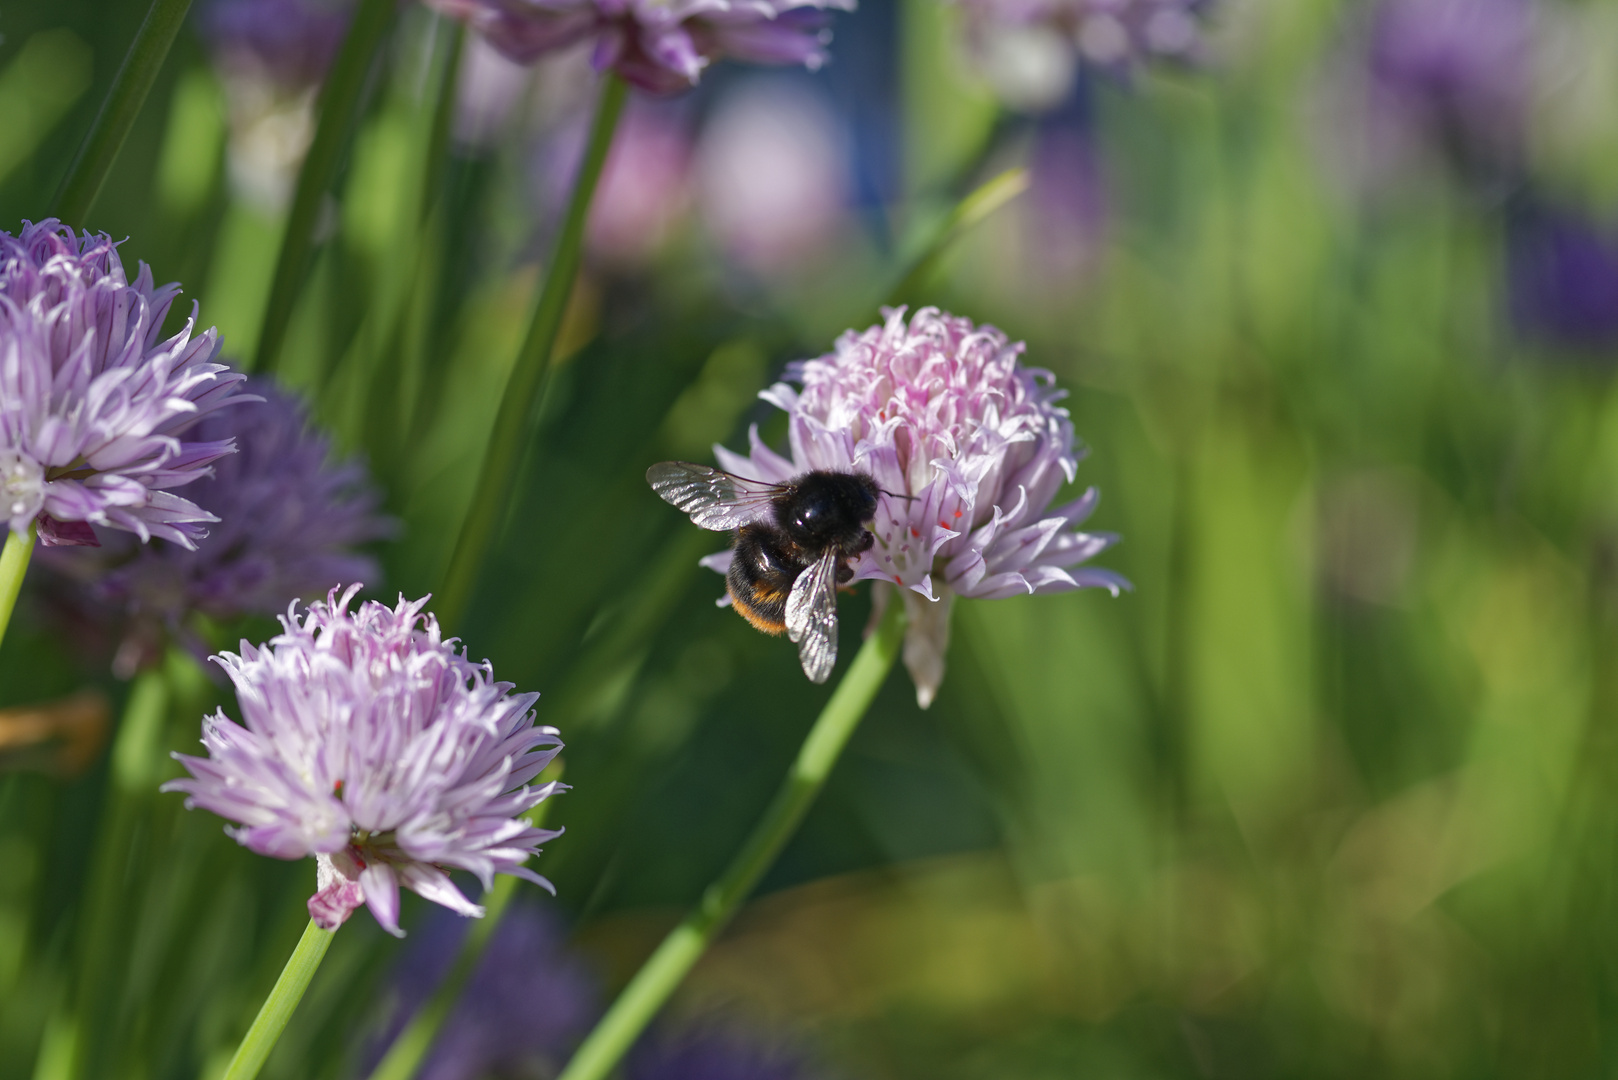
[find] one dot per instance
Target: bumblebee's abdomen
(762, 570)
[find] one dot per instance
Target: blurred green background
(1330, 794)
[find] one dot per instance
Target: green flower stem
(985, 200)
(284, 997)
(341, 99)
(525, 388)
(408, 1050)
(137, 761)
(663, 972)
(124, 99)
(13, 565)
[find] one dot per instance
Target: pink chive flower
(94, 408)
(661, 46)
(370, 743)
(971, 448)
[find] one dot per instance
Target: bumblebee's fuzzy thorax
(824, 509)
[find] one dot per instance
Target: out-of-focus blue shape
(1562, 273)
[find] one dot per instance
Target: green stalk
(124, 99)
(663, 972)
(105, 931)
(13, 565)
(525, 388)
(341, 99)
(985, 200)
(277, 1009)
(435, 162)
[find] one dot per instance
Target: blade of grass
(985, 200)
(121, 106)
(529, 377)
(341, 100)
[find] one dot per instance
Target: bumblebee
(792, 545)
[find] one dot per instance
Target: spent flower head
(970, 446)
(370, 743)
(96, 411)
(661, 46)
(289, 516)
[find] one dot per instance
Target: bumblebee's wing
(812, 617)
(715, 500)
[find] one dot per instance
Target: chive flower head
(97, 409)
(371, 743)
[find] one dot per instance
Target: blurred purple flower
(290, 42)
(1030, 50)
(271, 56)
(92, 404)
(644, 188)
(660, 46)
(288, 521)
(1065, 217)
(711, 1053)
(1562, 272)
(527, 1005)
(941, 413)
(1457, 71)
(370, 743)
(773, 175)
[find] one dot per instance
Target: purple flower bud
(370, 743)
(660, 46)
(971, 448)
(93, 406)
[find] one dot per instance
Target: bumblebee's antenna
(891, 495)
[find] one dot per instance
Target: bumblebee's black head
(824, 509)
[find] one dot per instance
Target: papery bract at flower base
(95, 410)
(661, 46)
(370, 743)
(970, 447)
